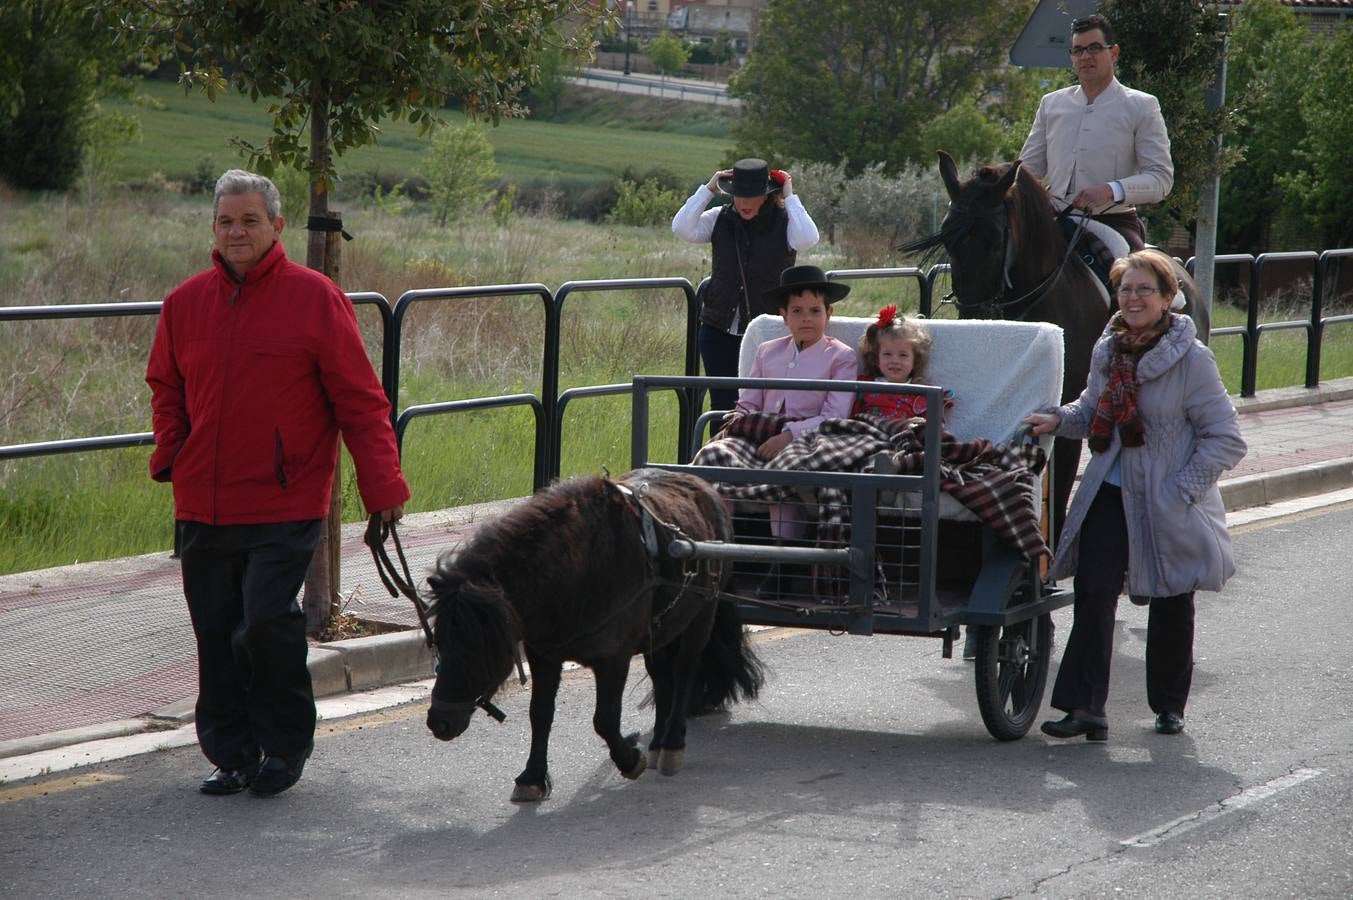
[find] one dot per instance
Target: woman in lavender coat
(1161, 429)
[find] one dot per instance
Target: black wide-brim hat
(751, 178)
(803, 278)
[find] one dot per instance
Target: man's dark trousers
(241, 583)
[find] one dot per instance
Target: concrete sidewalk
(103, 649)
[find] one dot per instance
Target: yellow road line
(56, 786)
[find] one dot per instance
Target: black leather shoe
(1095, 728)
(228, 781)
(277, 773)
(1169, 723)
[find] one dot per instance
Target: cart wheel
(1012, 670)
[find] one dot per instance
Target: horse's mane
(1033, 220)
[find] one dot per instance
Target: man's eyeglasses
(1093, 49)
(1142, 291)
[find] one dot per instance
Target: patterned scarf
(1118, 403)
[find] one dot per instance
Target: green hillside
(180, 130)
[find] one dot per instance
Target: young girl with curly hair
(894, 349)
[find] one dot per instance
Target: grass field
(178, 131)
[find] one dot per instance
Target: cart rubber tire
(1012, 672)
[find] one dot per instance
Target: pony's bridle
(400, 581)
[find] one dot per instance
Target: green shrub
(648, 203)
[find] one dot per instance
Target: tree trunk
(323, 580)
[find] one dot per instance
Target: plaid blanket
(995, 481)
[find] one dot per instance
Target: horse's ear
(949, 173)
(1009, 177)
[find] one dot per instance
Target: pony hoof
(639, 766)
(530, 793)
(671, 761)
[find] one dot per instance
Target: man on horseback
(1101, 148)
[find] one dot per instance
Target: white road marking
(61, 759)
(1247, 797)
(1253, 514)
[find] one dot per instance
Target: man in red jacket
(256, 368)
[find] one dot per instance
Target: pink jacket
(828, 358)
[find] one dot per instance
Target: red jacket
(250, 383)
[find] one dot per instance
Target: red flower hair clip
(886, 316)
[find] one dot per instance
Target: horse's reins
(400, 581)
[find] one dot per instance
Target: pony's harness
(656, 534)
(649, 523)
(399, 581)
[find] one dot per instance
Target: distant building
(702, 21)
(1316, 15)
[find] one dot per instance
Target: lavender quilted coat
(1176, 524)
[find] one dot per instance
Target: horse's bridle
(998, 302)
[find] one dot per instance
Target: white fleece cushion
(999, 371)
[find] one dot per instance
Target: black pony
(580, 572)
(1011, 261)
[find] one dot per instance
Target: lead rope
(397, 583)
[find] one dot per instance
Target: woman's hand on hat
(787, 186)
(713, 184)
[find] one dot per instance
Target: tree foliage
(857, 81)
(59, 55)
(668, 53)
(1171, 48)
(1322, 188)
(1269, 61)
(458, 168)
(559, 61)
(646, 203)
(337, 68)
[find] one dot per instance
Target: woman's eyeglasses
(1092, 49)
(1142, 291)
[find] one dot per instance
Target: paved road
(864, 771)
(688, 89)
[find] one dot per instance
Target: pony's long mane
(475, 629)
(524, 555)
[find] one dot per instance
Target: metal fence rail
(549, 405)
(1323, 281)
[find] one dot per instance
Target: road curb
(1285, 398)
(381, 659)
(1287, 484)
(70, 736)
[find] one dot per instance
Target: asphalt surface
(105, 649)
(862, 770)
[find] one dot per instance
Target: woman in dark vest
(754, 239)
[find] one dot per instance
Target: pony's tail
(729, 669)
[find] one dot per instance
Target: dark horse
(580, 572)
(1011, 261)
